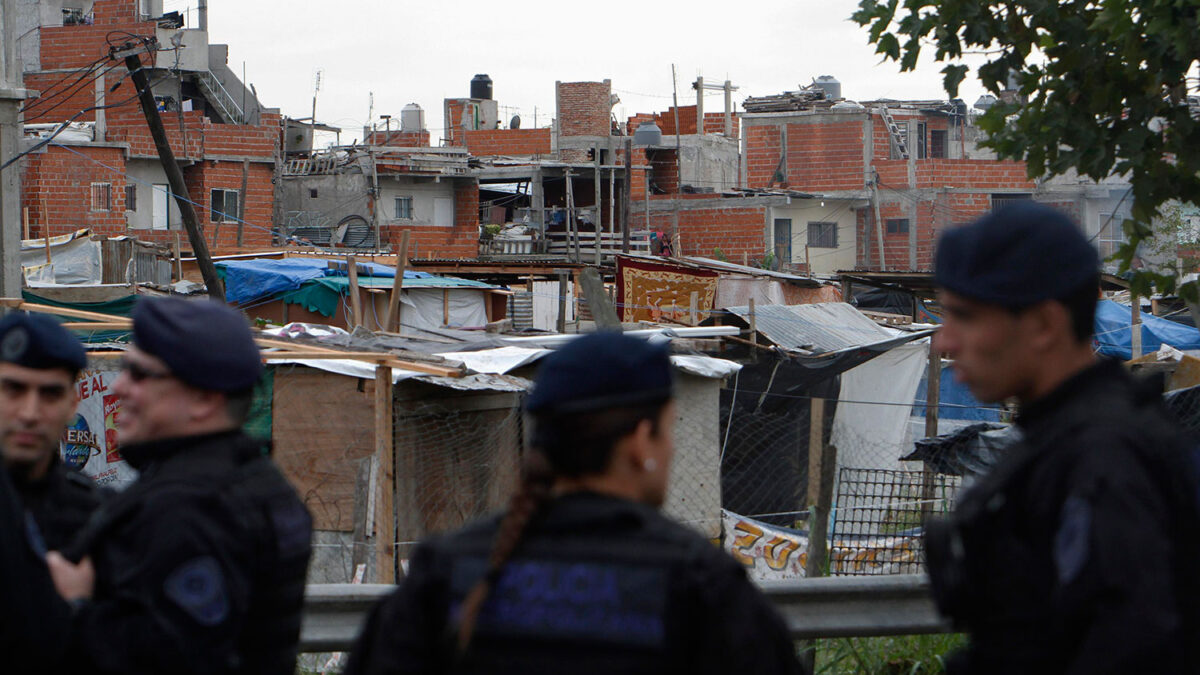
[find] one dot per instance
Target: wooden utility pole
(386, 568)
(562, 299)
(216, 289)
(933, 391)
(676, 249)
(821, 461)
(596, 220)
(356, 315)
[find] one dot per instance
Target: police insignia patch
(14, 344)
(198, 588)
(1072, 542)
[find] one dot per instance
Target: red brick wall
(57, 189)
(257, 206)
(453, 132)
(508, 142)
(583, 108)
(764, 147)
(733, 229)
(399, 139)
(714, 122)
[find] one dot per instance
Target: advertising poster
(90, 441)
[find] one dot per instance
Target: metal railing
(813, 608)
(216, 94)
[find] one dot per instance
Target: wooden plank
(367, 357)
(355, 301)
(391, 317)
(98, 325)
(818, 503)
(22, 305)
(385, 515)
(287, 344)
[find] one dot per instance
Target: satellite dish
(515, 122)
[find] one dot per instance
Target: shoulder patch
(198, 588)
(1072, 542)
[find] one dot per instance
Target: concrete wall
(818, 260)
(143, 175)
(708, 161)
(338, 195)
(694, 493)
(425, 194)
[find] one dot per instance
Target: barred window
(101, 196)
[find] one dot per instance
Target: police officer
(39, 362)
(200, 564)
(582, 574)
(1076, 553)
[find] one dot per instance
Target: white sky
(409, 52)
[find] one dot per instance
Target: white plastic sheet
(74, 259)
(424, 308)
(497, 361)
(870, 428)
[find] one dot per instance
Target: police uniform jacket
(33, 619)
(1080, 545)
(200, 564)
(597, 585)
(61, 503)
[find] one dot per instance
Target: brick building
(104, 173)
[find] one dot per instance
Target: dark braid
(534, 491)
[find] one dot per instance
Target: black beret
(1016, 256)
(601, 370)
(37, 341)
(205, 343)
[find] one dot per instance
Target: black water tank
(481, 87)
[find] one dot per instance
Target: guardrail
(813, 608)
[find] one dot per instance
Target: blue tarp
(247, 280)
(1115, 337)
(955, 401)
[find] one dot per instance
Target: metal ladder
(894, 129)
(212, 89)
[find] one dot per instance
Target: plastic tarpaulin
(1114, 335)
(875, 405)
(74, 259)
(247, 280)
(955, 401)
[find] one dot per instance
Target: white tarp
(350, 368)
(74, 259)
(426, 308)
(705, 366)
(90, 440)
(545, 304)
(497, 361)
(870, 428)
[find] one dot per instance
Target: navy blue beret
(1016, 256)
(37, 341)
(601, 370)
(205, 343)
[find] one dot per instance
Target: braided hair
(568, 445)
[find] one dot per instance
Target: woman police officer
(582, 573)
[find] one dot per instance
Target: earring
(649, 465)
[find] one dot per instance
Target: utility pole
(675, 248)
(626, 195)
(12, 92)
(191, 223)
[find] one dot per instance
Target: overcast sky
(409, 52)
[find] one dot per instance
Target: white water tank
(412, 118)
(830, 85)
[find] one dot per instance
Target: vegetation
(905, 655)
(1101, 86)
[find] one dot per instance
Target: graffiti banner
(90, 440)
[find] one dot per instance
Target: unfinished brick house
(881, 179)
(104, 173)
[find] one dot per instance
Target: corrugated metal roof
(818, 328)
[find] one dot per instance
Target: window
(897, 225)
(101, 196)
(224, 206)
(131, 197)
(404, 208)
(822, 235)
(937, 144)
(999, 200)
(1110, 234)
(312, 193)
(783, 240)
(921, 149)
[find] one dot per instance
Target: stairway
(214, 92)
(894, 129)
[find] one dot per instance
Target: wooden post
(385, 485)
(141, 83)
(562, 300)
(596, 221)
(745, 258)
(602, 310)
(47, 243)
(391, 318)
(753, 324)
(693, 317)
(445, 306)
(241, 224)
(1135, 327)
(572, 226)
(626, 196)
(819, 497)
(26, 220)
(179, 259)
(356, 315)
(933, 391)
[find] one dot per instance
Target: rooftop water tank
(412, 118)
(647, 133)
(481, 87)
(830, 85)
(984, 102)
